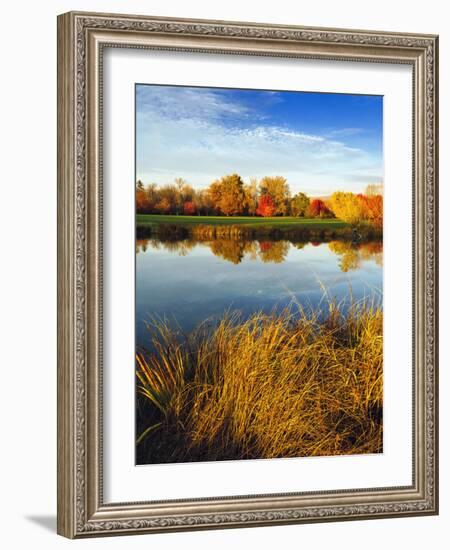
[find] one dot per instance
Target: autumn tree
(163, 206)
(376, 210)
(347, 207)
(227, 195)
(142, 204)
(203, 202)
(372, 207)
(278, 188)
(318, 209)
(189, 208)
(184, 193)
(146, 197)
(251, 196)
(214, 194)
(266, 206)
(152, 194)
(167, 200)
(299, 205)
(233, 196)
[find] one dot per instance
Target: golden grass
(278, 385)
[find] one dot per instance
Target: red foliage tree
(189, 208)
(318, 209)
(266, 206)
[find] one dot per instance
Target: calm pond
(188, 281)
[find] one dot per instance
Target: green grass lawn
(279, 222)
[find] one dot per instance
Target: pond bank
(301, 232)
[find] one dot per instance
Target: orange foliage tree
(142, 202)
(227, 195)
(372, 206)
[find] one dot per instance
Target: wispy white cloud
(203, 134)
(177, 103)
(344, 132)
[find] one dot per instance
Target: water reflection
(350, 255)
(187, 281)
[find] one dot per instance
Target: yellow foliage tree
(347, 207)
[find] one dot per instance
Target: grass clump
(273, 385)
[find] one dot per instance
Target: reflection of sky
(200, 285)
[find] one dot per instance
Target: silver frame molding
(81, 39)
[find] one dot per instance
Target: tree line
(270, 196)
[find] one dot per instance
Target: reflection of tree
(372, 251)
(273, 251)
(181, 247)
(232, 250)
(141, 245)
(351, 255)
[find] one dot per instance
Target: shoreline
(299, 233)
(281, 228)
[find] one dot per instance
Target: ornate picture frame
(82, 38)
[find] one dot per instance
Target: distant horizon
(319, 142)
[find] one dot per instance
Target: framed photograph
(247, 276)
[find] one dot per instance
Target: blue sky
(320, 142)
